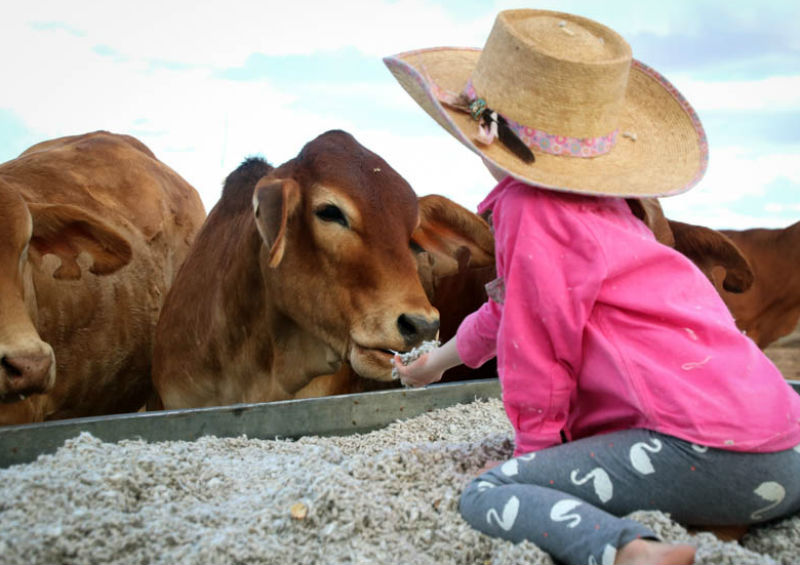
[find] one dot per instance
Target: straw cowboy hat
(586, 117)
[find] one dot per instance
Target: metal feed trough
(290, 419)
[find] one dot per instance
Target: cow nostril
(406, 325)
(27, 371)
(11, 370)
(417, 328)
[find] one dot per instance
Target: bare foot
(650, 552)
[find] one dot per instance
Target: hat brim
(661, 146)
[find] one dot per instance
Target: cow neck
(291, 342)
(264, 344)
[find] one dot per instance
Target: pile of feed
(385, 497)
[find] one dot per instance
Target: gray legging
(567, 499)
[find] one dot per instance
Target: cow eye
(415, 247)
(331, 213)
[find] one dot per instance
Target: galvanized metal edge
(334, 415)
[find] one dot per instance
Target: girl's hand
(429, 367)
(417, 372)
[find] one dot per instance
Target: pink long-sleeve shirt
(602, 328)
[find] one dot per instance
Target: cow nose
(416, 329)
(27, 373)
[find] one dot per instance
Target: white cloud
(57, 82)
(777, 208)
(738, 171)
(219, 34)
(734, 174)
(771, 93)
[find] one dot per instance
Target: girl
(623, 374)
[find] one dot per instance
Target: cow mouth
(12, 397)
(372, 362)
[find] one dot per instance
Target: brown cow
(296, 270)
(92, 230)
(770, 309)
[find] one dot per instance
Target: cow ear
(708, 249)
(650, 212)
(454, 237)
(274, 202)
(66, 231)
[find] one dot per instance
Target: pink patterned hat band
(547, 142)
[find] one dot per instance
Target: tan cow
(92, 231)
(296, 270)
(770, 309)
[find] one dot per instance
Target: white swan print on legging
(560, 512)
(600, 480)
(484, 486)
(639, 457)
(511, 467)
(773, 493)
(510, 511)
(699, 448)
(608, 557)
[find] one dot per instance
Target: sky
(206, 84)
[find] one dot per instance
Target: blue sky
(205, 84)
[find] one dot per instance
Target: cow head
(29, 231)
(336, 223)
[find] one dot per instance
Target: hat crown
(555, 72)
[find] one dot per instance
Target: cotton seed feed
(382, 498)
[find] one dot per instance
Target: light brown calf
(92, 231)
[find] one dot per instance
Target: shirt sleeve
(476, 338)
(553, 270)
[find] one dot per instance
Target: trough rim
(287, 419)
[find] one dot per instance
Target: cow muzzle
(372, 358)
(26, 373)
